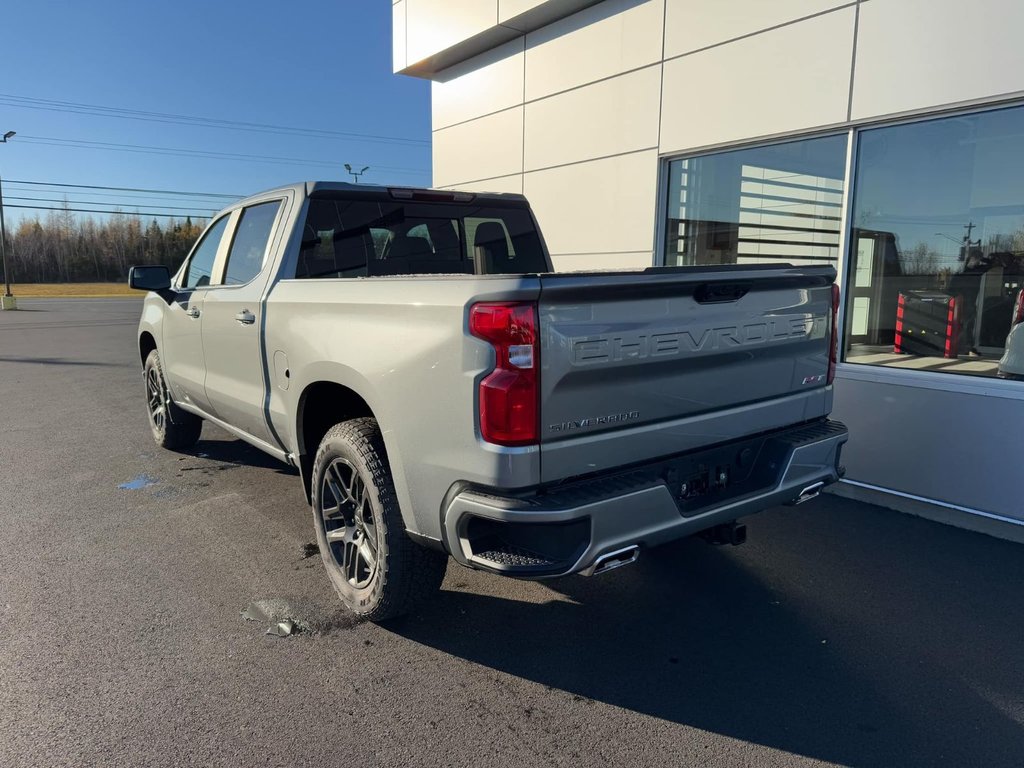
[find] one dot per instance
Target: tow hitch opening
(726, 533)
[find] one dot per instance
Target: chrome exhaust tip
(612, 560)
(810, 492)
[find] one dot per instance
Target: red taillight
(1018, 308)
(833, 353)
(509, 395)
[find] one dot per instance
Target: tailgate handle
(719, 293)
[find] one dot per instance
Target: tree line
(64, 248)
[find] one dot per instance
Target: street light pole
(8, 301)
(356, 174)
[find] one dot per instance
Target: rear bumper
(553, 531)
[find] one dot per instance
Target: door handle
(193, 312)
(245, 317)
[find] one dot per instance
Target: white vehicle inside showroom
(1011, 364)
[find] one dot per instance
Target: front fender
(151, 322)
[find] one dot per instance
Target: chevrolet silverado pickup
(443, 392)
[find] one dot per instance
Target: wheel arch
(321, 405)
(147, 343)
(150, 326)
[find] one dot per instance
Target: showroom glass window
(762, 205)
(937, 243)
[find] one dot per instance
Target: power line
(127, 196)
(209, 122)
(108, 213)
(196, 153)
(111, 205)
(172, 151)
(123, 189)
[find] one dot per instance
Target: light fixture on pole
(7, 301)
(356, 174)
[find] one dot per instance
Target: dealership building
(883, 137)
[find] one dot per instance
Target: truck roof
(384, 192)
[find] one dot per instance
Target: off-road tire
(405, 573)
(178, 429)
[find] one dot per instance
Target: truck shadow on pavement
(899, 646)
(230, 451)
(59, 361)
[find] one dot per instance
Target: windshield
(360, 238)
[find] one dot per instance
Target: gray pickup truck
(443, 392)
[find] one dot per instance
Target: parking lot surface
(841, 633)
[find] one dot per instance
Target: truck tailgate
(641, 365)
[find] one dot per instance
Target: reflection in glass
(764, 205)
(200, 266)
(937, 243)
(245, 259)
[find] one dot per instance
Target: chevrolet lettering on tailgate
(590, 350)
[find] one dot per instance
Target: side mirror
(149, 278)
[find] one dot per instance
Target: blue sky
(313, 64)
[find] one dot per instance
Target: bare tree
(920, 260)
(63, 248)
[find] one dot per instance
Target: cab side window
(340, 238)
(200, 266)
(245, 259)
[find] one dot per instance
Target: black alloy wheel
(378, 571)
(172, 427)
(157, 399)
(348, 524)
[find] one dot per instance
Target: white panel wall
(922, 53)
(434, 25)
(485, 84)
(621, 115)
(587, 262)
(593, 85)
(485, 148)
(937, 444)
(604, 40)
(597, 207)
(592, 102)
(509, 9)
(398, 35)
(694, 24)
(502, 184)
(786, 79)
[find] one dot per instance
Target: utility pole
(968, 243)
(356, 174)
(7, 301)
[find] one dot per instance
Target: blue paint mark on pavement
(140, 481)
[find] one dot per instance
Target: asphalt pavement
(841, 633)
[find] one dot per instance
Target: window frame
(221, 264)
(931, 380)
(990, 386)
(187, 263)
(665, 174)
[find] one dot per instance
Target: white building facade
(884, 137)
